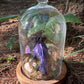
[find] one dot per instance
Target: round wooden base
(24, 80)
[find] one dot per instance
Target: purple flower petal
(38, 52)
(43, 67)
(41, 53)
(27, 49)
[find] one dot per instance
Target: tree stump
(24, 80)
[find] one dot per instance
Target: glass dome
(42, 31)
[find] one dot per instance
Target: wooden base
(24, 80)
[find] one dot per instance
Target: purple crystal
(41, 52)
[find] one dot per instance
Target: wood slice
(24, 80)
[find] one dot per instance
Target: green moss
(35, 68)
(52, 74)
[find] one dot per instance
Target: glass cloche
(42, 31)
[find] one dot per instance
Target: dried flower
(41, 52)
(27, 67)
(34, 64)
(27, 49)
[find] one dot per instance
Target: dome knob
(42, 1)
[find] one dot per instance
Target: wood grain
(24, 80)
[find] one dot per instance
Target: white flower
(30, 60)
(34, 64)
(27, 67)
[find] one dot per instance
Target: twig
(67, 5)
(5, 64)
(13, 35)
(73, 71)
